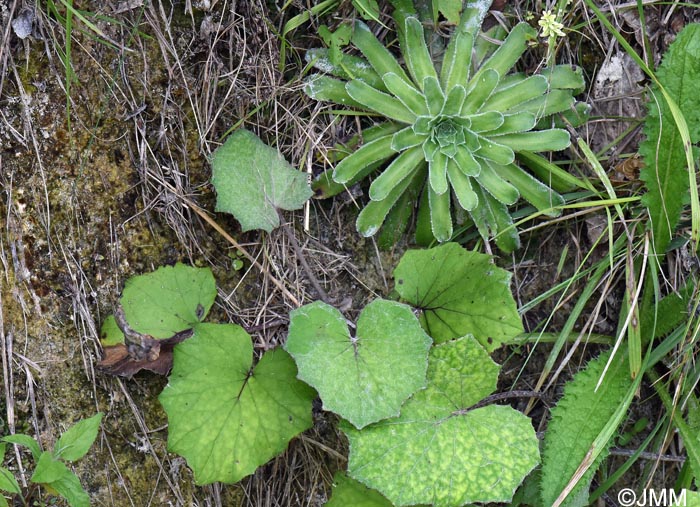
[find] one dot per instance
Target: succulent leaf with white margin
(464, 120)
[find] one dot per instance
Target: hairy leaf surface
(253, 181)
(665, 172)
(576, 421)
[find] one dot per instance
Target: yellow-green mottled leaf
(225, 417)
(438, 452)
(366, 377)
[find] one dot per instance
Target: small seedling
(51, 471)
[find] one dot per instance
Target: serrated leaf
(665, 172)
(253, 181)
(225, 417)
(366, 377)
(459, 292)
(348, 492)
(438, 452)
(576, 421)
(76, 441)
(168, 300)
(26, 441)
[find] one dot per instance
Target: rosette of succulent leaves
(453, 129)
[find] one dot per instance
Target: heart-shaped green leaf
(225, 417)
(253, 181)
(168, 300)
(438, 451)
(366, 377)
(459, 292)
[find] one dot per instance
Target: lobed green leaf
(254, 182)
(226, 417)
(438, 451)
(366, 377)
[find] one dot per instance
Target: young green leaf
(225, 417)
(576, 421)
(77, 440)
(55, 475)
(26, 441)
(48, 469)
(8, 482)
(110, 334)
(439, 451)
(347, 491)
(169, 300)
(69, 487)
(665, 172)
(366, 377)
(253, 181)
(459, 292)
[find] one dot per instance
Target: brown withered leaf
(140, 351)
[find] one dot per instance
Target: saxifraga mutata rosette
(453, 131)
